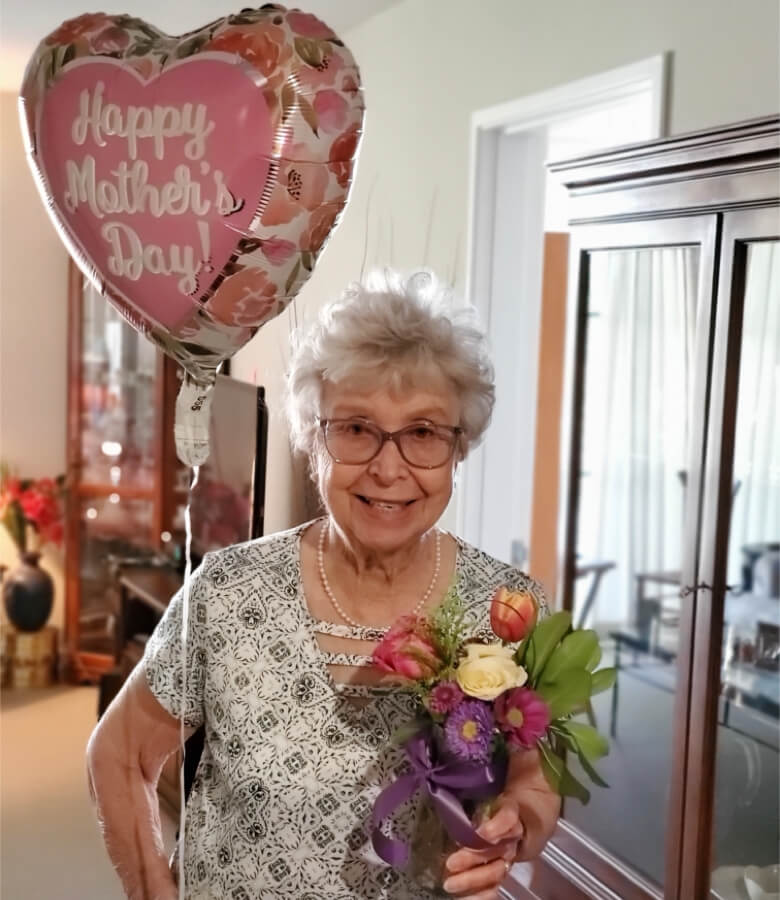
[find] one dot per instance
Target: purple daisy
(445, 697)
(469, 730)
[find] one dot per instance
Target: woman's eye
(423, 432)
(355, 429)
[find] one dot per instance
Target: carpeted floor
(51, 847)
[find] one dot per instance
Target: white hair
(393, 331)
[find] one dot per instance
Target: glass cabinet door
(746, 807)
(641, 347)
(118, 393)
(114, 461)
(111, 527)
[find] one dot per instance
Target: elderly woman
(387, 393)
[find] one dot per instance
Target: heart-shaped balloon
(195, 179)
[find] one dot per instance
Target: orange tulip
(513, 614)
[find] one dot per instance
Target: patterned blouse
(282, 798)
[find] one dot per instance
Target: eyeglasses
(422, 445)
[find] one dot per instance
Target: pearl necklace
(334, 601)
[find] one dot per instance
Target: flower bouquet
(478, 702)
(31, 505)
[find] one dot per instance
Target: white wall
(33, 325)
(429, 64)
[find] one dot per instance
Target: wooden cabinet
(122, 468)
(671, 438)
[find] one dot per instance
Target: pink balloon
(195, 179)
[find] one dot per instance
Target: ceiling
(23, 23)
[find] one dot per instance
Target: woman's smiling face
(387, 504)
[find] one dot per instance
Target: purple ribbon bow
(445, 782)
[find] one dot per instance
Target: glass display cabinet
(119, 410)
(671, 436)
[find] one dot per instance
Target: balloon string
(184, 626)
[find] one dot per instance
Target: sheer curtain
(638, 379)
(755, 516)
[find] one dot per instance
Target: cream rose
(488, 670)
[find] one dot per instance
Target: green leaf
(69, 54)
(292, 277)
(249, 245)
(191, 46)
(308, 113)
(574, 652)
(544, 639)
(588, 741)
(288, 100)
(603, 680)
(407, 731)
(552, 766)
(558, 775)
(140, 49)
(591, 772)
(567, 694)
(571, 787)
(595, 659)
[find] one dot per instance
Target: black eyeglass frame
(455, 432)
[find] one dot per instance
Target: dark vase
(28, 594)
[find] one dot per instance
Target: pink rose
(407, 650)
(247, 298)
(75, 28)
(111, 40)
(308, 25)
(342, 154)
(321, 222)
(331, 109)
(299, 186)
(276, 250)
(325, 75)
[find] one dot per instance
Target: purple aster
(445, 697)
(469, 730)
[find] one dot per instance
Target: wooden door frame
(526, 116)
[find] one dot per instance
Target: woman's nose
(387, 464)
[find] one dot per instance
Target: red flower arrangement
(37, 503)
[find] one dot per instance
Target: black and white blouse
(293, 761)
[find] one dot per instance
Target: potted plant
(32, 512)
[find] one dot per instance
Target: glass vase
(431, 845)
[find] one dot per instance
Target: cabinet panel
(734, 778)
(708, 788)
(746, 803)
(641, 337)
(116, 419)
(110, 526)
(119, 371)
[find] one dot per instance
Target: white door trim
(487, 127)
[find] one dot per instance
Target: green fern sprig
(449, 626)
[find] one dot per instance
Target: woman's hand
(523, 821)
(125, 755)
(476, 874)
